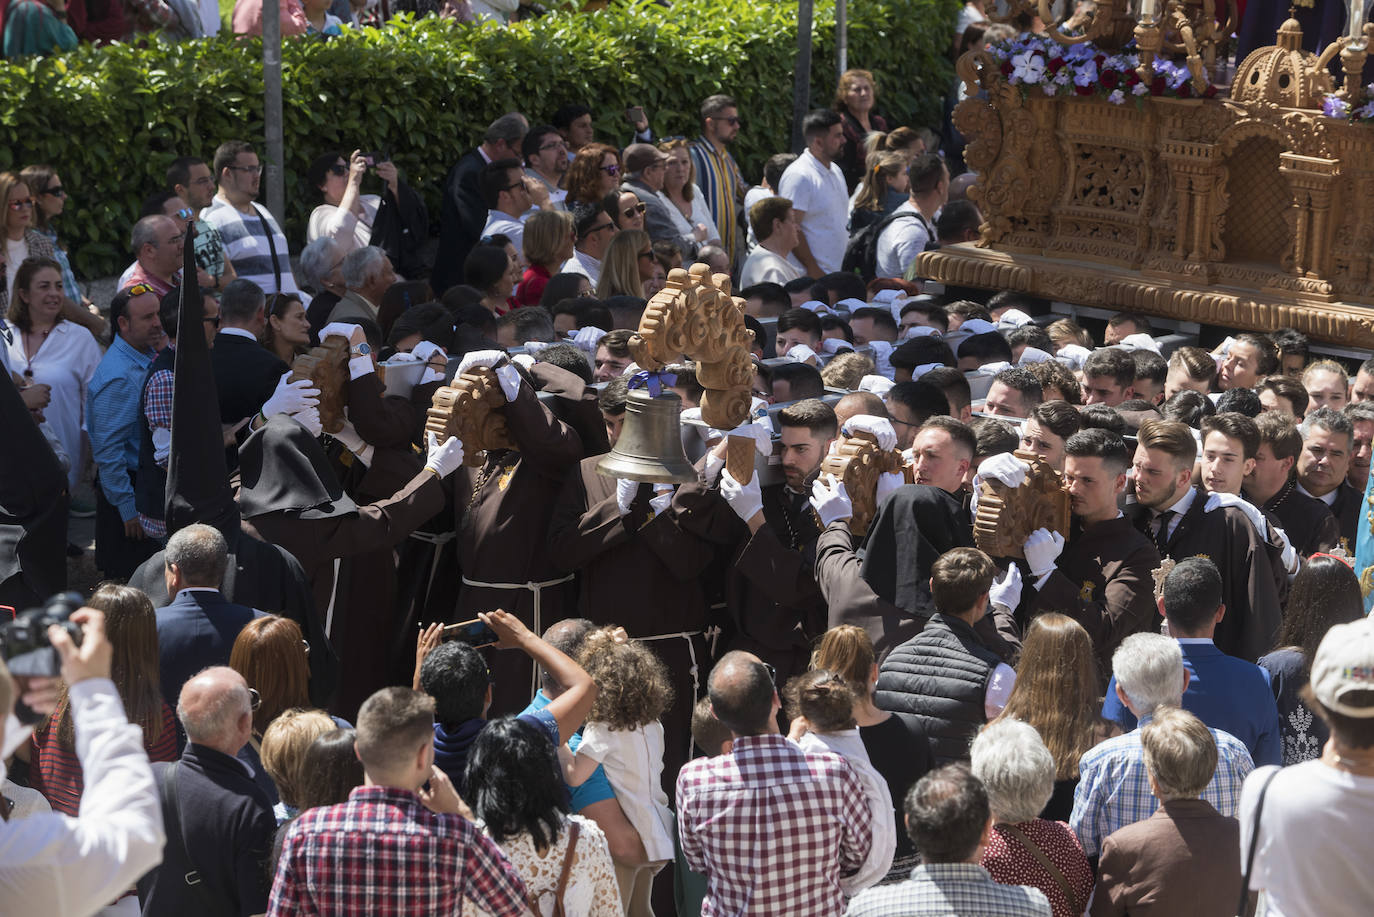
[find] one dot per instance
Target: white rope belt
(537, 588)
(710, 634)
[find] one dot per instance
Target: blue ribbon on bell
(653, 382)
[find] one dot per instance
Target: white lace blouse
(592, 890)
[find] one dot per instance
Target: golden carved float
(1248, 212)
(1007, 515)
(695, 317)
(470, 409)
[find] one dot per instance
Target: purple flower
(1336, 107)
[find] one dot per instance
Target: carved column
(1197, 171)
(1311, 181)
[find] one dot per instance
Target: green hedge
(111, 119)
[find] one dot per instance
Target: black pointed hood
(283, 469)
(912, 528)
(33, 505)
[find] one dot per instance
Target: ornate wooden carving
(694, 317)
(857, 461)
(739, 457)
(1006, 515)
(470, 409)
(326, 366)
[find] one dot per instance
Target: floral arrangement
(1037, 61)
(1362, 109)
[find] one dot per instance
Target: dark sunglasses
(637, 208)
(58, 192)
(339, 169)
(611, 169)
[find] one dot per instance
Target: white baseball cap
(1343, 672)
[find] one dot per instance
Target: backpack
(861, 252)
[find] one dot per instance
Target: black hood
(912, 529)
(283, 469)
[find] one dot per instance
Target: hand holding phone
(635, 115)
(475, 633)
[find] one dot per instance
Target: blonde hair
(846, 80)
(668, 146)
(545, 233)
(1066, 331)
(620, 267)
(847, 370)
(847, 651)
(284, 745)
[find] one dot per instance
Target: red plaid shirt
(773, 828)
(383, 853)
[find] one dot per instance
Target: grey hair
(510, 127)
(317, 260)
(1149, 668)
(216, 721)
(360, 265)
(1330, 420)
(200, 553)
(1016, 768)
(145, 232)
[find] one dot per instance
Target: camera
(376, 157)
(24, 641)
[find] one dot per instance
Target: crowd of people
(372, 664)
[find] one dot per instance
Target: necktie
(1162, 536)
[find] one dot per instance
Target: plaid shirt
(773, 828)
(1114, 791)
(157, 413)
(383, 853)
(939, 889)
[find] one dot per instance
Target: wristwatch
(361, 350)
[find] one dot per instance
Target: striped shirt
(718, 176)
(247, 245)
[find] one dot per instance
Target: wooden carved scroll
(739, 457)
(857, 461)
(470, 409)
(694, 317)
(326, 366)
(1006, 515)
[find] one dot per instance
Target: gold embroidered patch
(1086, 593)
(504, 481)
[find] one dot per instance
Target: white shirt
(848, 744)
(763, 266)
(1312, 856)
(66, 361)
(633, 759)
(701, 213)
(344, 226)
(820, 193)
(752, 197)
(502, 223)
(584, 264)
(16, 250)
(1178, 509)
(1329, 498)
(241, 332)
(902, 241)
(55, 865)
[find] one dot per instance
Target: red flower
(1157, 86)
(1100, 59)
(1209, 91)
(1132, 77)
(1186, 90)
(1109, 79)
(1006, 68)
(1084, 90)
(1055, 65)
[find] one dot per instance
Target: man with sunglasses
(645, 170)
(595, 229)
(158, 243)
(718, 175)
(510, 198)
(253, 242)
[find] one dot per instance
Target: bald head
(216, 711)
(856, 403)
(742, 694)
(567, 637)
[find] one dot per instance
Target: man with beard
(1183, 521)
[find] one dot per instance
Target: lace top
(592, 889)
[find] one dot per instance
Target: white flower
(1117, 97)
(1139, 89)
(1028, 67)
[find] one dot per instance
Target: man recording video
(55, 864)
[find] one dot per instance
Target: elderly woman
(321, 269)
(854, 100)
(1017, 769)
(690, 212)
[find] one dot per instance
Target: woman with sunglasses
(347, 215)
(49, 351)
(288, 330)
(22, 240)
(688, 207)
(49, 200)
(626, 208)
(593, 174)
(274, 658)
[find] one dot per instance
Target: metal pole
(272, 117)
(801, 78)
(841, 36)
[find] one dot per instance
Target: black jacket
(940, 676)
(461, 219)
(246, 375)
(195, 631)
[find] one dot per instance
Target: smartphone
(635, 114)
(475, 633)
(376, 157)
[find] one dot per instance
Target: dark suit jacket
(246, 374)
(227, 828)
(461, 219)
(196, 630)
(658, 223)
(1184, 859)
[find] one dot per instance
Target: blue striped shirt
(718, 177)
(112, 401)
(246, 245)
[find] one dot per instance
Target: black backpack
(861, 252)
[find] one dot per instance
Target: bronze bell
(650, 446)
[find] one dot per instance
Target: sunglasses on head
(139, 289)
(637, 208)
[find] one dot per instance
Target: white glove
(1291, 561)
(402, 356)
(1003, 467)
(662, 498)
(880, 428)
(744, 499)
(350, 439)
(446, 457)
(625, 491)
(815, 305)
(1007, 590)
(345, 330)
(802, 354)
(480, 359)
(831, 500)
(714, 464)
(833, 346)
(588, 338)
(291, 397)
(523, 359)
(881, 352)
(426, 351)
(310, 419)
(1073, 355)
(1042, 549)
(888, 481)
(878, 385)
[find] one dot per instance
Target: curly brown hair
(583, 178)
(824, 698)
(632, 683)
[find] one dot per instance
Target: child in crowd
(821, 706)
(624, 735)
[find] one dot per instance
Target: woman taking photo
(22, 240)
(288, 330)
(46, 350)
(854, 100)
(1057, 692)
(395, 221)
(628, 265)
(593, 174)
(514, 786)
(886, 174)
(549, 238)
(689, 210)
